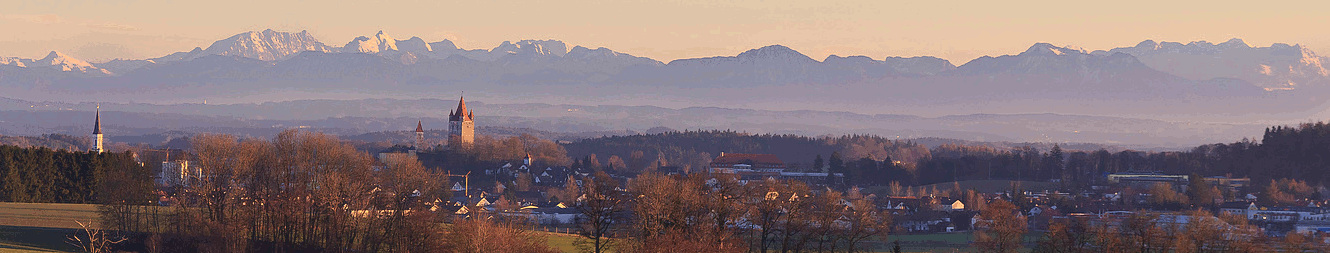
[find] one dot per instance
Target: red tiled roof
(750, 159)
(461, 113)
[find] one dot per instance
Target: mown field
(46, 215)
(39, 227)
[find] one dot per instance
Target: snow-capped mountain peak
(1277, 67)
(1147, 45)
(266, 45)
(542, 47)
(67, 64)
(443, 45)
(774, 53)
(12, 61)
(414, 45)
(56, 58)
(379, 43)
(1234, 43)
(1050, 50)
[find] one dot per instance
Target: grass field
(46, 215)
(562, 242)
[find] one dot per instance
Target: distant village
(522, 189)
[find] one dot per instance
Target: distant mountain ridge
(55, 61)
(1149, 80)
(1277, 67)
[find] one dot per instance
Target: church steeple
(97, 123)
(97, 131)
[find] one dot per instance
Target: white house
(955, 205)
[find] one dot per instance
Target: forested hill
(697, 148)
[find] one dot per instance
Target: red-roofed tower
(420, 135)
(461, 126)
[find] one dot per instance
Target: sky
(99, 30)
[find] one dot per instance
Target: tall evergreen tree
(819, 164)
(835, 165)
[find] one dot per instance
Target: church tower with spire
(97, 131)
(420, 135)
(461, 126)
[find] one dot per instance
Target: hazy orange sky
(664, 29)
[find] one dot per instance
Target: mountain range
(1226, 81)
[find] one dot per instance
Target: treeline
(41, 175)
(309, 192)
(1301, 152)
(51, 141)
(959, 163)
(695, 149)
(1193, 231)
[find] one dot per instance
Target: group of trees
(999, 228)
(958, 163)
(1286, 191)
(41, 175)
(488, 152)
(695, 213)
(303, 191)
(868, 170)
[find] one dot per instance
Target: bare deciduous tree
(94, 240)
(1001, 229)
